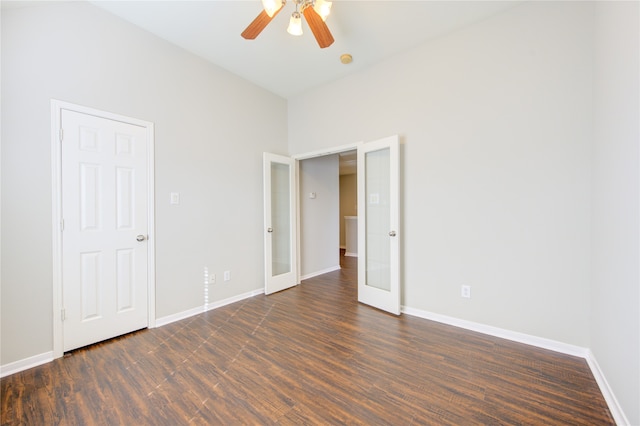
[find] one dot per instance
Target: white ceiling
(286, 65)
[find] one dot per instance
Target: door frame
(57, 107)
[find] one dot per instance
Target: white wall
(495, 122)
(520, 173)
(615, 298)
(319, 226)
(79, 53)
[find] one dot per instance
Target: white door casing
(280, 224)
(103, 209)
(379, 224)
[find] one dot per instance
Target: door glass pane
(377, 193)
(280, 219)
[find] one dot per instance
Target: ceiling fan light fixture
(272, 6)
(315, 21)
(322, 8)
(295, 24)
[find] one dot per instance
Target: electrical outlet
(212, 278)
(465, 291)
(227, 275)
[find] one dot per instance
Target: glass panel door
(279, 223)
(378, 224)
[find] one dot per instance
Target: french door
(379, 224)
(280, 230)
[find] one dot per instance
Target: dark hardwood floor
(307, 355)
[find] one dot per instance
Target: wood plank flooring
(307, 355)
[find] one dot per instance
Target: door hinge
(63, 314)
(61, 134)
(61, 225)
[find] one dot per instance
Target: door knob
(269, 229)
(392, 233)
(141, 238)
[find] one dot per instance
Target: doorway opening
(378, 218)
(328, 204)
(326, 193)
(348, 190)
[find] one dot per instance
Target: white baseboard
(213, 305)
(527, 339)
(553, 345)
(315, 274)
(179, 316)
(25, 364)
(614, 406)
(234, 299)
(351, 254)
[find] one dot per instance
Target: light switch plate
(175, 198)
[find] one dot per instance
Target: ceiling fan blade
(258, 24)
(318, 28)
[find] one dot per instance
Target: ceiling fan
(315, 12)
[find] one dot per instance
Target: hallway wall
(319, 225)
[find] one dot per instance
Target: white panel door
(104, 238)
(279, 223)
(378, 224)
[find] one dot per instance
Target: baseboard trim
(527, 339)
(553, 345)
(315, 274)
(213, 305)
(614, 406)
(25, 364)
(179, 316)
(234, 299)
(351, 254)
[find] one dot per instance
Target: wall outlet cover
(465, 291)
